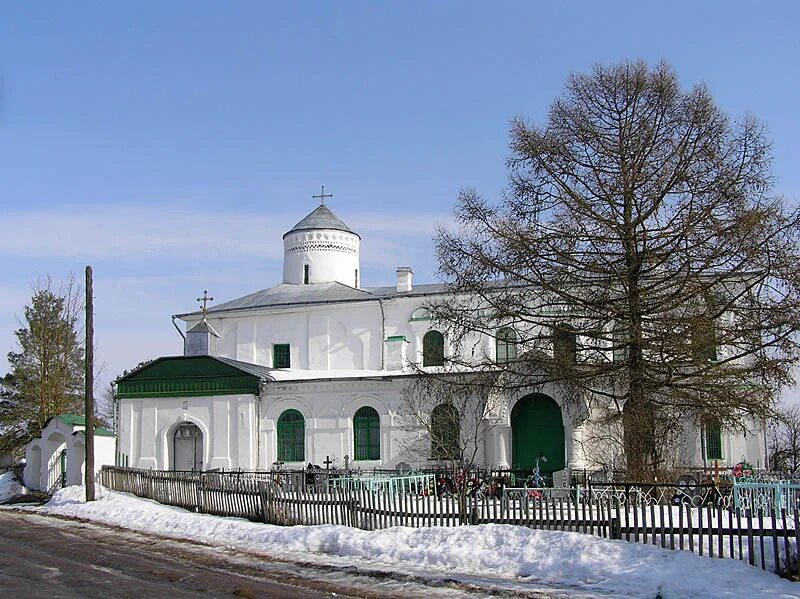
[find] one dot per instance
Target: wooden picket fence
(215, 493)
(761, 538)
(756, 537)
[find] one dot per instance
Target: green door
(537, 431)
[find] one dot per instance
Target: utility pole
(89, 388)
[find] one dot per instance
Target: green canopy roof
(191, 376)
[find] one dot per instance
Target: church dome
(321, 248)
(321, 218)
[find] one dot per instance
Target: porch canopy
(192, 376)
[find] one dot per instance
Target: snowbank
(10, 486)
(490, 550)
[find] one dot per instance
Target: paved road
(51, 558)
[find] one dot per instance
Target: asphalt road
(51, 558)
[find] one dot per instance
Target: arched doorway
(187, 445)
(56, 463)
(537, 433)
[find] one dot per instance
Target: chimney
(404, 274)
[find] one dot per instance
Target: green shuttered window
(506, 345)
(367, 434)
(291, 437)
(433, 349)
(565, 344)
(445, 432)
(713, 441)
(281, 356)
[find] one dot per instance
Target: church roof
(321, 218)
(291, 295)
(287, 294)
(423, 289)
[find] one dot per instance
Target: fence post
(616, 530)
(355, 522)
(200, 497)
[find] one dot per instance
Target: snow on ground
(10, 486)
(501, 552)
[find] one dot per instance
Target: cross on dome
(205, 299)
(322, 196)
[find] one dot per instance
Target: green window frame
(565, 344)
(281, 355)
(704, 340)
(291, 437)
(367, 434)
(445, 432)
(505, 345)
(433, 349)
(713, 440)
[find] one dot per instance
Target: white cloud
(230, 253)
(141, 233)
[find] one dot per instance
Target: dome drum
(321, 249)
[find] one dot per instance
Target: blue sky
(171, 144)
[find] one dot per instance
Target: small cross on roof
(205, 299)
(322, 196)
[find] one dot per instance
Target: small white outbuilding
(56, 458)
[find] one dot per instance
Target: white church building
(313, 369)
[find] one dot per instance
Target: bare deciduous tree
(447, 416)
(783, 440)
(637, 255)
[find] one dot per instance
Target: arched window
(713, 440)
(367, 434)
(565, 344)
(445, 432)
(433, 349)
(291, 437)
(704, 340)
(505, 345)
(420, 314)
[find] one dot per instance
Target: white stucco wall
(227, 422)
(331, 255)
(332, 337)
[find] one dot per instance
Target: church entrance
(537, 433)
(188, 448)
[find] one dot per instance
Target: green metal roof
(72, 419)
(99, 431)
(191, 376)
